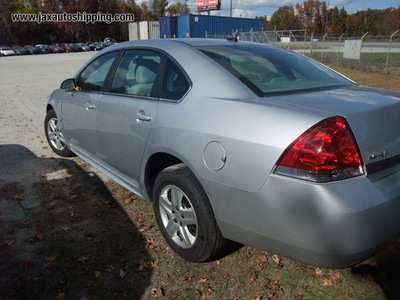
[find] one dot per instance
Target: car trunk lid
(373, 115)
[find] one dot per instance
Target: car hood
(373, 115)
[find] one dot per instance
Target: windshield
(270, 71)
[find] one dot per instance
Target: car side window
(93, 77)
(137, 73)
(175, 83)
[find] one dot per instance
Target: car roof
(169, 42)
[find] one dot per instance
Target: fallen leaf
(262, 259)
(336, 277)
(83, 259)
(157, 292)
(247, 254)
(39, 237)
(128, 201)
(273, 286)
(61, 296)
(203, 280)
(326, 282)
(150, 240)
(10, 242)
(140, 219)
(277, 259)
(97, 274)
(50, 258)
(259, 267)
(110, 269)
(186, 278)
(121, 274)
(319, 272)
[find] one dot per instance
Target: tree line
(315, 17)
(22, 33)
(312, 15)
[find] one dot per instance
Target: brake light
(325, 152)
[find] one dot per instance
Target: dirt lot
(68, 232)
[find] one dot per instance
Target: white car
(6, 51)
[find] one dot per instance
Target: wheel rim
(178, 216)
(55, 135)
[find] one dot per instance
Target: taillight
(325, 152)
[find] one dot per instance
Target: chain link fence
(372, 53)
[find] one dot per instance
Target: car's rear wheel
(54, 135)
(185, 216)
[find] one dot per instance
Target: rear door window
(137, 73)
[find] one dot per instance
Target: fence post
(322, 50)
(340, 38)
(311, 43)
(388, 55)
(362, 40)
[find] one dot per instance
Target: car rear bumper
(329, 225)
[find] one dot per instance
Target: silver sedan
(239, 141)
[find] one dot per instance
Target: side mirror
(68, 84)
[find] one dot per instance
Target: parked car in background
(19, 50)
(65, 47)
(74, 48)
(31, 49)
(83, 46)
(109, 41)
(55, 49)
(239, 141)
(43, 48)
(6, 51)
(95, 46)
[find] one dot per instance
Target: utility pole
(231, 10)
(186, 7)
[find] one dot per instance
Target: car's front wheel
(54, 135)
(185, 216)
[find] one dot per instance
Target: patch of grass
(379, 80)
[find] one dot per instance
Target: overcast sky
(252, 8)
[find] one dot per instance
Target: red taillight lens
(325, 152)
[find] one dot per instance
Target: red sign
(209, 4)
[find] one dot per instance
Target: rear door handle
(141, 116)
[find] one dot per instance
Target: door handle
(141, 116)
(89, 106)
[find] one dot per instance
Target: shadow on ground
(384, 269)
(62, 234)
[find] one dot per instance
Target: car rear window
(270, 70)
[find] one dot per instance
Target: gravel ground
(67, 232)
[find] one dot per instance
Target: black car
(31, 50)
(19, 50)
(95, 46)
(43, 48)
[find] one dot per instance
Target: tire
(54, 135)
(184, 215)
